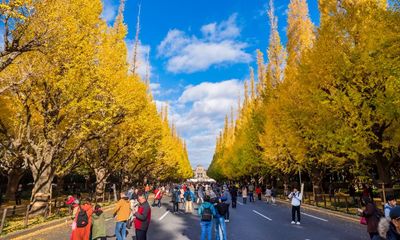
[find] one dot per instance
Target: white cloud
(206, 106)
(110, 8)
(218, 45)
(142, 55)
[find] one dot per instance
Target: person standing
(391, 203)
(251, 192)
(244, 194)
(189, 198)
(296, 198)
(121, 213)
(82, 221)
(98, 224)
(258, 192)
(206, 212)
(220, 227)
(233, 192)
(142, 218)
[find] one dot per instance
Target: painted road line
(240, 203)
(262, 215)
(315, 217)
(163, 216)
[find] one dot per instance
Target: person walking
(142, 218)
(220, 227)
(158, 193)
(189, 198)
(82, 221)
(391, 203)
(389, 229)
(200, 195)
(251, 192)
(233, 191)
(268, 195)
(372, 216)
(98, 224)
(273, 194)
(244, 194)
(296, 198)
(227, 200)
(175, 200)
(18, 195)
(122, 212)
(206, 212)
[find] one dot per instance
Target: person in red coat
(82, 233)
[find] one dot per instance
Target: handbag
(363, 221)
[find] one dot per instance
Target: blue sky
(199, 54)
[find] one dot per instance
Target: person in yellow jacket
(121, 213)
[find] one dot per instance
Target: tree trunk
(101, 178)
(14, 176)
(383, 167)
(316, 179)
(41, 190)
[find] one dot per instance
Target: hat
(395, 213)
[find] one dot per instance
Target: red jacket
(158, 194)
(143, 217)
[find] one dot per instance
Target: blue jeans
(220, 228)
(120, 230)
(206, 230)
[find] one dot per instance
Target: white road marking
(262, 215)
(240, 203)
(315, 217)
(163, 216)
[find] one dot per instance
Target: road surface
(252, 221)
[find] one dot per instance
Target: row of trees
(69, 101)
(327, 103)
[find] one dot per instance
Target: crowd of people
(213, 201)
(131, 210)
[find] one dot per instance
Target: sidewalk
(25, 233)
(341, 215)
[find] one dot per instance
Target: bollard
(347, 205)
(324, 201)
(13, 211)
(26, 216)
(3, 219)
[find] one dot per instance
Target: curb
(328, 212)
(28, 232)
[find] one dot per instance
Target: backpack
(222, 209)
(189, 197)
(207, 215)
(82, 219)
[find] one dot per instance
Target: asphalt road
(251, 221)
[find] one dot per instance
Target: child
(98, 224)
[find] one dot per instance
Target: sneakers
(292, 222)
(298, 223)
(226, 220)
